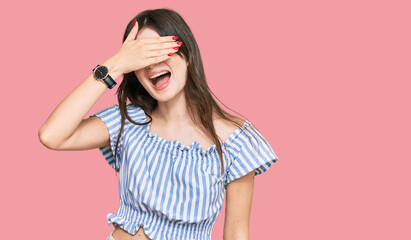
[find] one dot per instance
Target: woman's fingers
(133, 33)
(136, 54)
(157, 59)
(163, 45)
(156, 40)
(160, 52)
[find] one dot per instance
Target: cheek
(139, 75)
(179, 66)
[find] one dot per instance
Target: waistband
(157, 225)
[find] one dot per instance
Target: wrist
(113, 69)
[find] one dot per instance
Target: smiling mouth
(159, 82)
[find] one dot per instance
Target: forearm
(66, 117)
(236, 237)
(236, 233)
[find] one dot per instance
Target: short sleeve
(251, 151)
(112, 118)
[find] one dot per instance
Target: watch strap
(109, 81)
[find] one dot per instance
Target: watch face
(101, 72)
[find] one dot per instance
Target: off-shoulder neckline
(195, 144)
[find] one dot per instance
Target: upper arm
(239, 197)
(100, 130)
(91, 133)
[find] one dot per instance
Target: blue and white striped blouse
(171, 190)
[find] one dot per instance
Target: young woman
(176, 151)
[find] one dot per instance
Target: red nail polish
(170, 54)
(179, 43)
(175, 38)
(134, 22)
(176, 48)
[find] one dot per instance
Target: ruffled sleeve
(250, 151)
(112, 118)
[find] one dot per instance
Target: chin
(162, 96)
(168, 95)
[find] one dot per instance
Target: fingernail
(175, 38)
(170, 54)
(179, 43)
(176, 48)
(134, 22)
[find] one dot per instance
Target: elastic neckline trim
(195, 144)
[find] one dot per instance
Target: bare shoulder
(225, 128)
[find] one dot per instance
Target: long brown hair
(201, 104)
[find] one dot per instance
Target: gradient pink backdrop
(326, 82)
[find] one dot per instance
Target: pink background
(326, 82)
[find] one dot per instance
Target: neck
(172, 112)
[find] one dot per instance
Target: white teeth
(158, 74)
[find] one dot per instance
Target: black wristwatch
(100, 72)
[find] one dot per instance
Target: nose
(152, 66)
